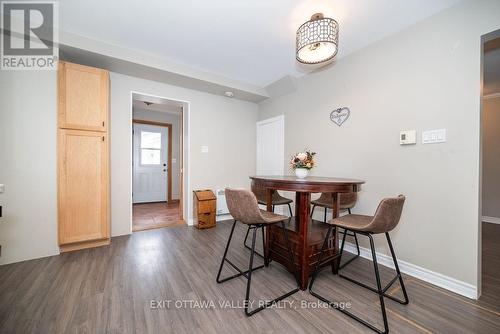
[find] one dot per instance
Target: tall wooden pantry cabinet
(83, 157)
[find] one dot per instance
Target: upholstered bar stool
(243, 206)
(385, 220)
(276, 200)
(346, 202)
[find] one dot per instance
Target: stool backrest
(243, 206)
(387, 215)
(348, 200)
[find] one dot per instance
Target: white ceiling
(158, 104)
(247, 40)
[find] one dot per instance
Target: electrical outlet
(434, 136)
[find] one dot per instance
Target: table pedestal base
(306, 252)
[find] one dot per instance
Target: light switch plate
(434, 136)
(204, 149)
(408, 137)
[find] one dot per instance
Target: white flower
(302, 156)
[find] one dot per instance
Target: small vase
(301, 172)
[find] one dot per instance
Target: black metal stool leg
(246, 237)
(342, 248)
(357, 244)
(324, 219)
(320, 257)
(354, 234)
(403, 288)
(380, 291)
(225, 259)
(379, 288)
(225, 252)
(290, 209)
(312, 210)
(249, 279)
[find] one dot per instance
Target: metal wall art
(340, 115)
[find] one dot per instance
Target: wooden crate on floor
(204, 208)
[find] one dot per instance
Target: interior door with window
(150, 163)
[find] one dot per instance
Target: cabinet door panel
(83, 97)
(83, 186)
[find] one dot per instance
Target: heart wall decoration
(340, 115)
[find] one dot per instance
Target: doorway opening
(157, 162)
(489, 228)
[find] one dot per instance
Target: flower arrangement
(303, 160)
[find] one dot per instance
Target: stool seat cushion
(346, 200)
(352, 222)
(277, 200)
(272, 217)
(385, 219)
(243, 206)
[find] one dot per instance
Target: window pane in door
(150, 156)
(150, 139)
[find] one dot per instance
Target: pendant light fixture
(317, 40)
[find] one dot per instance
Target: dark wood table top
(308, 184)
(309, 179)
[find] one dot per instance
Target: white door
(271, 146)
(150, 163)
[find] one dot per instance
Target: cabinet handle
(103, 138)
(102, 123)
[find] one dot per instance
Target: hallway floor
(155, 215)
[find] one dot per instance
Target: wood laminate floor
(111, 290)
(491, 265)
(146, 216)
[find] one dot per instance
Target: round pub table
(306, 234)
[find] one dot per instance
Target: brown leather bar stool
(277, 199)
(243, 206)
(346, 202)
(385, 220)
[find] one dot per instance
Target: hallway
(148, 216)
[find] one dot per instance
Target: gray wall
(491, 157)
(28, 139)
(28, 142)
(226, 126)
(425, 77)
(175, 120)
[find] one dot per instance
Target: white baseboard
(223, 217)
(493, 220)
(445, 282)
